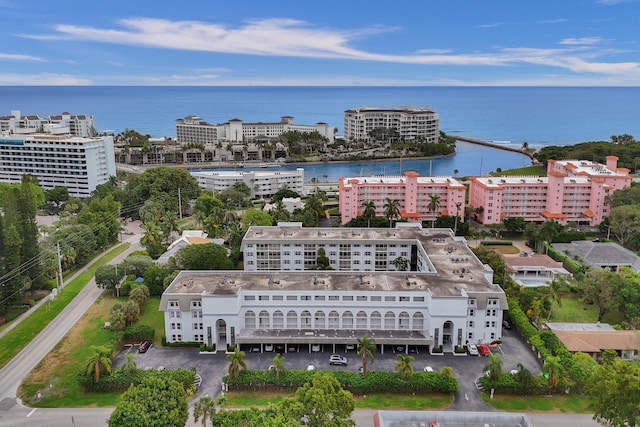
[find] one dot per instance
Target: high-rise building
(410, 123)
(57, 160)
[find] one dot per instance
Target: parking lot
(212, 367)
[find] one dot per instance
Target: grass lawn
(573, 310)
(12, 343)
(371, 401)
(572, 403)
(56, 374)
(62, 365)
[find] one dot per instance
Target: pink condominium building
(412, 191)
(572, 191)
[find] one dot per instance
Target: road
(12, 373)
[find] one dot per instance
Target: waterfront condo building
(65, 123)
(572, 191)
(410, 122)
(413, 192)
(443, 296)
(262, 184)
(193, 130)
(57, 160)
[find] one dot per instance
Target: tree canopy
(156, 402)
(203, 257)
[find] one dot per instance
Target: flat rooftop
(450, 419)
(457, 270)
(401, 179)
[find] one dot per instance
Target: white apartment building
(446, 298)
(262, 184)
(65, 123)
(192, 129)
(410, 122)
(57, 160)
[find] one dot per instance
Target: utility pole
(180, 203)
(59, 278)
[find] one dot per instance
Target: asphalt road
(12, 373)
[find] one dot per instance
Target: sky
(321, 43)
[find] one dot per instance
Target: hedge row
(138, 333)
(357, 383)
(576, 269)
(496, 243)
(120, 380)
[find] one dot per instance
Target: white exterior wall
(80, 164)
(268, 183)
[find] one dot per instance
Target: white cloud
(42, 79)
(581, 41)
(293, 38)
(16, 57)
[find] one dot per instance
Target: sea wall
(498, 146)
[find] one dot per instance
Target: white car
(310, 368)
(315, 348)
(336, 359)
(472, 349)
(350, 347)
(428, 369)
(268, 347)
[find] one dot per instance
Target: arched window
(250, 320)
(334, 320)
(361, 320)
(263, 320)
(321, 322)
(376, 320)
(292, 320)
(403, 320)
(418, 322)
(278, 320)
(389, 321)
(347, 320)
(306, 320)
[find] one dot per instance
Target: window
(319, 297)
(487, 324)
(405, 299)
(471, 312)
(376, 298)
(470, 336)
(361, 298)
(249, 297)
(472, 301)
(347, 298)
(418, 299)
(177, 338)
(263, 297)
(292, 297)
(334, 298)
(196, 304)
(277, 298)
(305, 297)
(470, 324)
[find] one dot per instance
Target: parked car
(428, 369)
(336, 359)
(255, 349)
(292, 348)
(484, 349)
(310, 368)
(506, 324)
(144, 346)
(268, 347)
(350, 347)
(315, 348)
(472, 349)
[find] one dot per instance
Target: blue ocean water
(538, 115)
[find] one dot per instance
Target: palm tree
(553, 292)
(314, 205)
(455, 226)
(553, 368)
(278, 365)
(204, 408)
(130, 366)
(99, 362)
(494, 367)
(433, 206)
(366, 350)
(391, 209)
(524, 376)
(403, 365)
(369, 210)
(237, 362)
(455, 173)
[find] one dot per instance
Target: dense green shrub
(357, 383)
(576, 269)
(569, 236)
(508, 384)
(496, 243)
(138, 333)
(120, 380)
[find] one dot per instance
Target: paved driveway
(212, 367)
